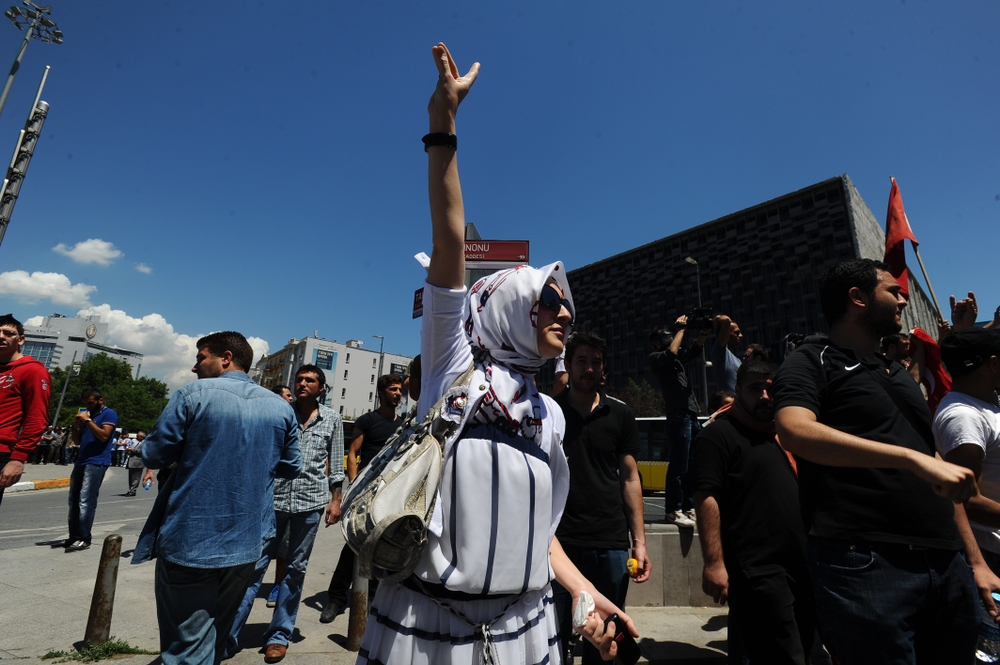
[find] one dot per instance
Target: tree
(138, 402)
(645, 401)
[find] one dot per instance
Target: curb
(38, 485)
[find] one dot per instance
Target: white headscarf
(501, 326)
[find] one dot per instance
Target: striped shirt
(320, 440)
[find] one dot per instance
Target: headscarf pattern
(501, 326)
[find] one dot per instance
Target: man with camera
(681, 406)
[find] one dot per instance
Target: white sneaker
(690, 514)
(678, 518)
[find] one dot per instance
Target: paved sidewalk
(46, 600)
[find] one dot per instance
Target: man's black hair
(9, 320)
(92, 392)
(579, 339)
(312, 369)
(387, 380)
(754, 367)
(758, 352)
(838, 280)
(280, 388)
(219, 342)
(716, 398)
(889, 340)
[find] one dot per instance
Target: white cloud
(143, 268)
(38, 286)
(92, 250)
(167, 355)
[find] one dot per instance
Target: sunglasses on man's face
(551, 301)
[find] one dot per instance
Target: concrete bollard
(103, 604)
(359, 610)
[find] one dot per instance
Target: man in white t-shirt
(967, 428)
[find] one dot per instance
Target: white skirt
(405, 626)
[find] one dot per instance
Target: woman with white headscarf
(481, 592)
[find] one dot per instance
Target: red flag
(933, 377)
(897, 230)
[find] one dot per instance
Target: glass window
(345, 373)
(373, 378)
(348, 359)
(370, 395)
(343, 393)
(373, 362)
(40, 351)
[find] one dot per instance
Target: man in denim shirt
(212, 516)
(299, 505)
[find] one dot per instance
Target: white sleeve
(957, 424)
(444, 351)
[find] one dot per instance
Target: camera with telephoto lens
(698, 319)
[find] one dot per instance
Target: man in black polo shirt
(371, 431)
(884, 540)
(605, 491)
(747, 500)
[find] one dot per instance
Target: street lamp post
(39, 26)
(381, 345)
(704, 360)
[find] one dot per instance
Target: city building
(761, 266)
(58, 338)
(351, 371)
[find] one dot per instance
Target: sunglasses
(551, 301)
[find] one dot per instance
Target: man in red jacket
(24, 402)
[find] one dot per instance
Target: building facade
(351, 371)
(761, 266)
(58, 338)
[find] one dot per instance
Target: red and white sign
(495, 254)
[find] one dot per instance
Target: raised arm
(447, 267)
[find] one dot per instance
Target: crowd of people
(832, 495)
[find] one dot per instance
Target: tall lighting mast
(35, 20)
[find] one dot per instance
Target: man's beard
(879, 319)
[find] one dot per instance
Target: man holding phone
(92, 430)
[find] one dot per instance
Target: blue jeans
(84, 488)
(889, 604)
(302, 528)
(194, 610)
(607, 571)
(682, 428)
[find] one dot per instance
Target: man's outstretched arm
(803, 435)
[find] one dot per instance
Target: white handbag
(386, 509)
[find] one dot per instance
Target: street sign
(418, 303)
(495, 254)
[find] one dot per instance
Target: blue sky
(263, 161)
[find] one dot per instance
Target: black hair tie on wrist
(440, 138)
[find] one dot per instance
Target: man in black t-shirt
(884, 538)
(371, 431)
(752, 540)
(605, 490)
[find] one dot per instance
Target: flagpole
(927, 279)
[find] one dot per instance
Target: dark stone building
(761, 266)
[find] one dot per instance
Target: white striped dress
(500, 501)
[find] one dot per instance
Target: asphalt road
(28, 518)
